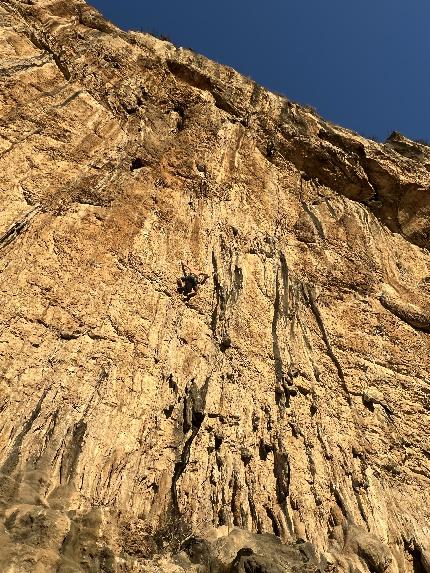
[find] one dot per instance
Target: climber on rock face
(189, 282)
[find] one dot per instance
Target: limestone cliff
(278, 420)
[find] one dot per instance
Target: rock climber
(189, 282)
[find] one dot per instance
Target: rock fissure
(18, 227)
(43, 44)
(310, 298)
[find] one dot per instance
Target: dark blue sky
(362, 64)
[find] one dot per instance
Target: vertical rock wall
(289, 396)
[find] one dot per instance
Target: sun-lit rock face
(215, 317)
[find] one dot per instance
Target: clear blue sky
(364, 64)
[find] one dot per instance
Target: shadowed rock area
(215, 318)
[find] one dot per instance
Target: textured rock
(288, 398)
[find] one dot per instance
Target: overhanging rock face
(215, 317)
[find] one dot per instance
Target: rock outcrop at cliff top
(277, 420)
